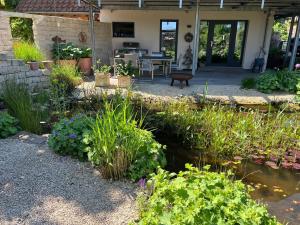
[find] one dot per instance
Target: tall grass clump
(65, 76)
(227, 132)
(22, 105)
(120, 147)
(27, 51)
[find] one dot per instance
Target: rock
(287, 165)
(272, 165)
(296, 166)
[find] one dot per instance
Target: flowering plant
(70, 136)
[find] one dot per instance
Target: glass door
(225, 43)
(169, 37)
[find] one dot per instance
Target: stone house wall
(47, 27)
(17, 70)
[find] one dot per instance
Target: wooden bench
(181, 77)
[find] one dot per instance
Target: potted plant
(85, 60)
(65, 53)
(102, 75)
(28, 52)
(124, 73)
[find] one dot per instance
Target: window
(123, 29)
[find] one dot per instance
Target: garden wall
(47, 27)
(13, 69)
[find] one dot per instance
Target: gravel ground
(40, 187)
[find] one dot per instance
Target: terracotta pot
(124, 81)
(102, 80)
(48, 65)
(85, 65)
(33, 65)
(71, 62)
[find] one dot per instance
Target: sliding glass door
(222, 42)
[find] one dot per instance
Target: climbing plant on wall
(21, 28)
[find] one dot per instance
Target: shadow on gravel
(40, 187)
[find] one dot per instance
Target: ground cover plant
(68, 136)
(271, 80)
(28, 108)
(8, 125)
(199, 197)
(225, 132)
(27, 51)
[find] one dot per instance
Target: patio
(222, 84)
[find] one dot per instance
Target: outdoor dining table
(163, 59)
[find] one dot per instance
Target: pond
(279, 189)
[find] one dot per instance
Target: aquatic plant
(199, 197)
(119, 145)
(223, 131)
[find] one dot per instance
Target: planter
(48, 64)
(85, 65)
(71, 62)
(124, 81)
(33, 65)
(102, 80)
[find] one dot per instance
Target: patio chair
(177, 65)
(133, 58)
(158, 64)
(146, 65)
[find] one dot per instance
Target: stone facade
(47, 27)
(17, 70)
(5, 35)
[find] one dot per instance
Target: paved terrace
(223, 84)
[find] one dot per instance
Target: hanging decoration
(189, 37)
(82, 37)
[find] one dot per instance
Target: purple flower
(142, 183)
(72, 136)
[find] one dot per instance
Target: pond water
(279, 189)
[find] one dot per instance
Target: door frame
(232, 40)
(176, 41)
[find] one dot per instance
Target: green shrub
(24, 106)
(27, 52)
(281, 80)
(225, 132)
(68, 136)
(125, 69)
(248, 83)
(199, 197)
(65, 76)
(21, 28)
(120, 147)
(8, 125)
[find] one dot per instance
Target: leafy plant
(102, 68)
(119, 146)
(24, 106)
(68, 136)
(8, 125)
(84, 52)
(199, 197)
(64, 51)
(281, 80)
(21, 28)
(27, 52)
(67, 76)
(248, 83)
(125, 69)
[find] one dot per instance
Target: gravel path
(40, 187)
